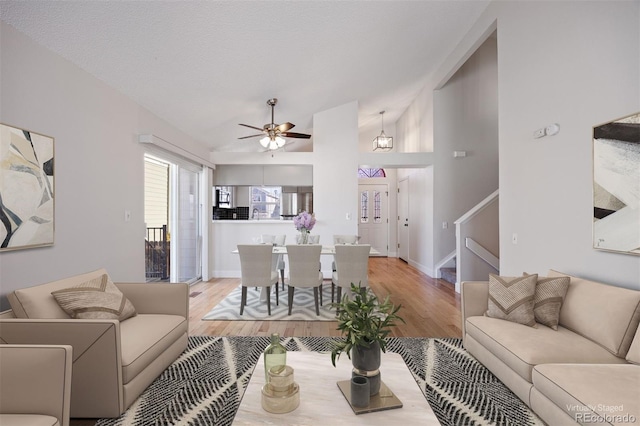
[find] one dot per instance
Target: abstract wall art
(616, 185)
(26, 189)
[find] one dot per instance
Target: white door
(403, 220)
(187, 221)
(373, 221)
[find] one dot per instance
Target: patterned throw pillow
(98, 298)
(511, 298)
(548, 299)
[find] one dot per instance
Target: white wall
(421, 226)
(465, 119)
(590, 74)
(414, 133)
(99, 164)
(572, 63)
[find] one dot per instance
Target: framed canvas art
(26, 189)
(616, 185)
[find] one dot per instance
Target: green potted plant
(365, 322)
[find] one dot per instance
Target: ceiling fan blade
(285, 127)
(295, 135)
(252, 136)
(252, 127)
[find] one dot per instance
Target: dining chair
(256, 270)
(311, 239)
(267, 239)
(352, 266)
(276, 240)
(343, 239)
(303, 270)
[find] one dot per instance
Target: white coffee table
(322, 402)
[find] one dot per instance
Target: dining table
(326, 250)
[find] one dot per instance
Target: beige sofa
(113, 361)
(587, 371)
(35, 385)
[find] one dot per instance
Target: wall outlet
(539, 133)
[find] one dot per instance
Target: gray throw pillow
(550, 292)
(511, 298)
(98, 298)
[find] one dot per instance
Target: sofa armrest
(158, 298)
(474, 297)
(96, 358)
(36, 379)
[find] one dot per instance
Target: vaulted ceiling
(205, 66)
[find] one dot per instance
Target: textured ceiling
(205, 66)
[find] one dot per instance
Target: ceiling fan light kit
(272, 142)
(274, 134)
(383, 141)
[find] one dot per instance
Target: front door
(373, 223)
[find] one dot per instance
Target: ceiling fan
(273, 133)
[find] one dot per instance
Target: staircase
(449, 273)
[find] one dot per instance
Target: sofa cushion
(522, 347)
(37, 301)
(511, 298)
(97, 298)
(145, 337)
(606, 314)
(591, 393)
(550, 292)
(633, 355)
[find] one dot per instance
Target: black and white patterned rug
(206, 384)
(303, 309)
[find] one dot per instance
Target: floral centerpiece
(304, 223)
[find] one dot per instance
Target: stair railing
(482, 253)
(477, 239)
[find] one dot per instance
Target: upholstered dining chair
(256, 262)
(352, 266)
(303, 270)
(267, 239)
(343, 239)
(277, 240)
(311, 239)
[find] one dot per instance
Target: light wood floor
(430, 307)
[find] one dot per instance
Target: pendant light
(383, 141)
